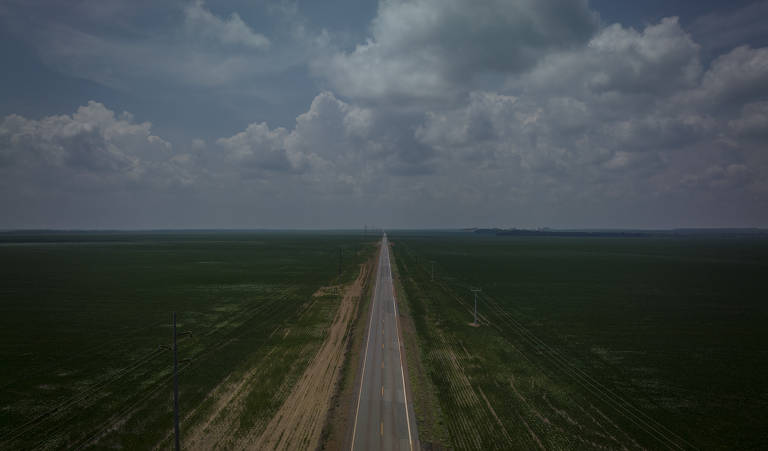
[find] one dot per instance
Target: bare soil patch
(299, 422)
(337, 432)
(327, 291)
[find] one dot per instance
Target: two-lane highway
(384, 417)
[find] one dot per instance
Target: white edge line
(365, 357)
(402, 374)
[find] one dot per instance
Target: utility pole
(475, 290)
(175, 388)
(177, 439)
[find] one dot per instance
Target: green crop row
(591, 343)
(82, 319)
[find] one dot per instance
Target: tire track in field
(124, 414)
(620, 405)
(62, 407)
(472, 418)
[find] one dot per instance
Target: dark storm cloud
(449, 113)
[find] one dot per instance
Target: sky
(139, 114)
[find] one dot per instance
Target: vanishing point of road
(384, 417)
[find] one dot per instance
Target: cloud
(660, 59)
(332, 141)
(718, 31)
(753, 121)
(169, 44)
(259, 147)
(734, 78)
(430, 49)
(452, 113)
(233, 30)
(92, 147)
(631, 116)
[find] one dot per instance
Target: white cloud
(629, 116)
(259, 147)
(521, 112)
(325, 138)
(429, 49)
(92, 147)
(734, 78)
(660, 59)
(233, 30)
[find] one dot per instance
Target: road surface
(384, 417)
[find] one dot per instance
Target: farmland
(83, 317)
(586, 343)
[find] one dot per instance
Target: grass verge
(433, 434)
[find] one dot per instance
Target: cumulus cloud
(660, 59)
(332, 140)
(452, 113)
(734, 78)
(233, 30)
(631, 113)
(430, 48)
(258, 146)
(92, 147)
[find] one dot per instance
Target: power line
(176, 385)
(475, 291)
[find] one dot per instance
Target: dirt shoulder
(338, 428)
(299, 422)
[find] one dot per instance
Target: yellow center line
(382, 428)
(382, 391)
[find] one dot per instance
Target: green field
(82, 316)
(586, 343)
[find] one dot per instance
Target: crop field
(83, 317)
(587, 343)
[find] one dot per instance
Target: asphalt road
(384, 418)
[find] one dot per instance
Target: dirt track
(299, 422)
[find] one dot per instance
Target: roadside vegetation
(83, 316)
(587, 343)
(430, 419)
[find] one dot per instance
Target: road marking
(402, 373)
(382, 391)
(365, 357)
(367, 343)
